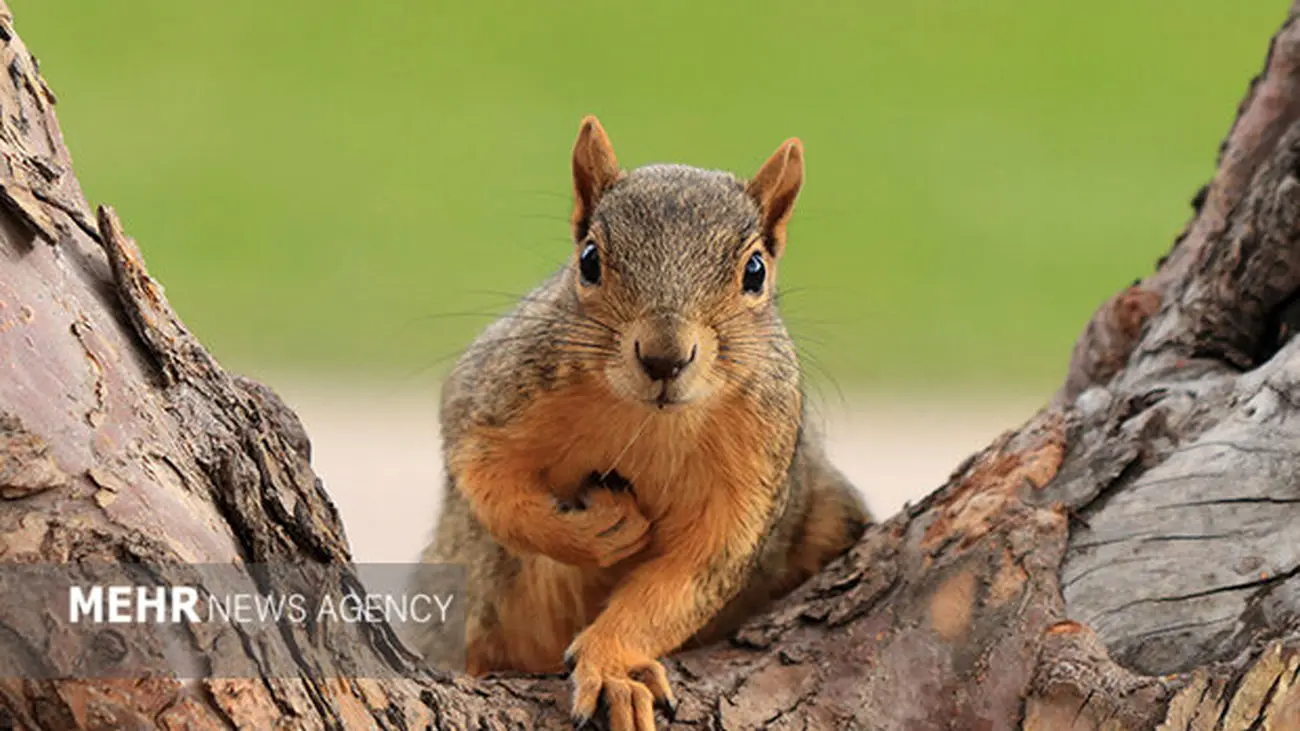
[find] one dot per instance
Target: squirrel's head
(678, 265)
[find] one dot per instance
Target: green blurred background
(329, 187)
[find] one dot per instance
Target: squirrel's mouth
(667, 400)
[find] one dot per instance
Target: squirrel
(628, 467)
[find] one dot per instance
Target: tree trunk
(1129, 558)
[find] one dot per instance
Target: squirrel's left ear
(595, 169)
(775, 187)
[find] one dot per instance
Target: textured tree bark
(1129, 558)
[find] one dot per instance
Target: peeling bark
(1129, 558)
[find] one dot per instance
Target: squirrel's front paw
(604, 526)
(629, 685)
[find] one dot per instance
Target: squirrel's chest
(677, 462)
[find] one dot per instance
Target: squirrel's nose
(662, 367)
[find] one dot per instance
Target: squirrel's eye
(755, 272)
(589, 264)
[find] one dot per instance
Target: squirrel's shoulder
(509, 360)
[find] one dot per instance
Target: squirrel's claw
(654, 677)
(668, 706)
(626, 702)
(586, 698)
(612, 480)
(616, 482)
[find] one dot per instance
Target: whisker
(597, 347)
(513, 339)
(630, 442)
(545, 217)
(512, 296)
(729, 319)
(759, 346)
(565, 354)
(545, 194)
(758, 356)
(815, 364)
(533, 299)
(524, 317)
(766, 356)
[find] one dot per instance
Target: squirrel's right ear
(774, 188)
(595, 169)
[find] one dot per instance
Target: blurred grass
(319, 185)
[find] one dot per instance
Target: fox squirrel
(628, 467)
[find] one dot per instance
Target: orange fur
(694, 474)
